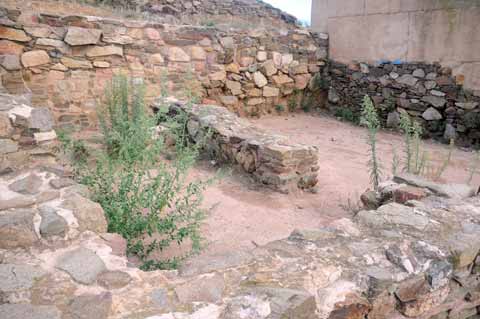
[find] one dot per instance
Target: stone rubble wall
(419, 259)
(66, 62)
(427, 92)
(22, 127)
(237, 13)
(272, 160)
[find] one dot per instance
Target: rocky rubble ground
(414, 258)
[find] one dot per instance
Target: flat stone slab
(82, 264)
(18, 277)
(29, 185)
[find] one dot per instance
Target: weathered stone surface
(234, 87)
(228, 100)
(6, 128)
(63, 182)
(282, 79)
(90, 215)
(206, 289)
(82, 36)
(259, 79)
(23, 311)
(107, 50)
(268, 68)
(16, 229)
(114, 279)
(15, 278)
(407, 79)
(435, 101)
(394, 214)
(447, 190)
(52, 224)
(29, 185)
(13, 34)
(405, 193)
(10, 62)
(90, 306)
(269, 91)
(431, 114)
(76, 63)
(41, 119)
(82, 264)
(176, 54)
(35, 58)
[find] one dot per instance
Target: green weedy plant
(146, 200)
(415, 158)
(370, 120)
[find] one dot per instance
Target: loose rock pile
(427, 92)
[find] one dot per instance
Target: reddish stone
(352, 308)
(405, 193)
(9, 47)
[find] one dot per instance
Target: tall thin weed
(371, 121)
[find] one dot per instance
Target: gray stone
(289, 303)
(160, 297)
(333, 96)
(259, 79)
(52, 224)
(114, 279)
(8, 146)
(27, 311)
(393, 215)
(436, 101)
(370, 200)
(29, 185)
(437, 93)
(467, 105)
(206, 289)
(18, 277)
(90, 306)
(90, 215)
(407, 79)
(10, 62)
(248, 306)
(16, 229)
(82, 264)
(450, 132)
(398, 257)
(82, 36)
(205, 264)
(63, 182)
(41, 119)
(431, 114)
(419, 73)
(439, 273)
(431, 76)
(430, 85)
(393, 119)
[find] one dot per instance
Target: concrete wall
(445, 31)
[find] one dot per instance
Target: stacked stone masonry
(273, 160)
(427, 92)
(414, 260)
(66, 62)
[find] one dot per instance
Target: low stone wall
(414, 260)
(427, 92)
(272, 160)
(66, 62)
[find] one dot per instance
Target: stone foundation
(272, 160)
(427, 92)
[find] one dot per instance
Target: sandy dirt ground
(244, 215)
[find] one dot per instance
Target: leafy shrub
(279, 108)
(347, 114)
(146, 200)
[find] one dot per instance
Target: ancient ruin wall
(428, 31)
(67, 61)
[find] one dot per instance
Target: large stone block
(82, 36)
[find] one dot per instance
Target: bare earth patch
(244, 215)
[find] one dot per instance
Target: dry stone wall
(66, 62)
(273, 160)
(427, 92)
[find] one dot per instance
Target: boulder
(82, 36)
(52, 224)
(35, 58)
(82, 264)
(269, 91)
